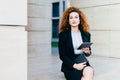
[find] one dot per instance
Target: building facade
(103, 17)
(27, 33)
(44, 16)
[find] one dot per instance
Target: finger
(87, 48)
(84, 66)
(84, 63)
(83, 48)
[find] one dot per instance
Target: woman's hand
(86, 50)
(79, 66)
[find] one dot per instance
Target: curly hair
(64, 24)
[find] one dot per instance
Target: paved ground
(106, 68)
(44, 68)
(48, 68)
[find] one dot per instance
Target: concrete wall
(13, 53)
(39, 27)
(103, 17)
(13, 12)
(13, 40)
(39, 36)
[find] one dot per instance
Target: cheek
(78, 20)
(70, 21)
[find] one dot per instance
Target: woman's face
(74, 19)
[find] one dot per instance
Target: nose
(73, 22)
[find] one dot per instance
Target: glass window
(55, 24)
(55, 9)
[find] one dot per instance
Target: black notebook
(84, 45)
(80, 59)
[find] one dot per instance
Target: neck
(75, 29)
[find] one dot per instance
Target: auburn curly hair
(64, 24)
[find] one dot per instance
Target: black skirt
(75, 74)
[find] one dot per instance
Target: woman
(73, 31)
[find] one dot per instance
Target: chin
(74, 25)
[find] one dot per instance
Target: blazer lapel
(70, 40)
(82, 35)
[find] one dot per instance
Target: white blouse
(77, 41)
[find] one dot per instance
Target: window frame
(62, 4)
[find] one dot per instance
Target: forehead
(74, 14)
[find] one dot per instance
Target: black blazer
(66, 51)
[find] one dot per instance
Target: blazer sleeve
(62, 51)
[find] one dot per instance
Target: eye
(70, 17)
(76, 17)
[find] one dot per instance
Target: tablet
(84, 45)
(80, 59)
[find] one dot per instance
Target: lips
(73, 22)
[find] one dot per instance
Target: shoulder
(64, 33)
(63, 37)
(86, 36)
(87, 33)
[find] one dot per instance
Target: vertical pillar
(39, 36)
(13, 40)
